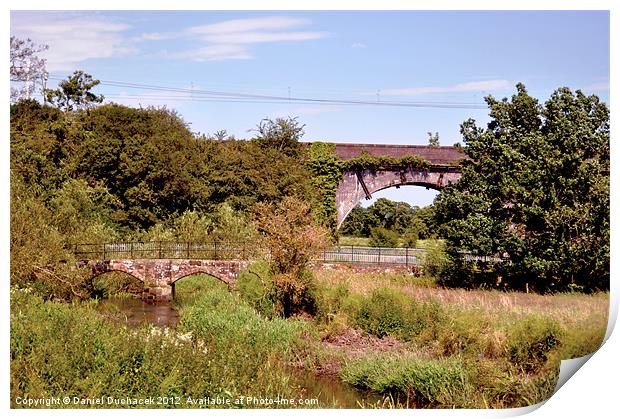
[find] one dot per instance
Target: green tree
(74, 92)
(283, 135)
(536, 193)
(433, 139)
(382, 237)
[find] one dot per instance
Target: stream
(330, 391)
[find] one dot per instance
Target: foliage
(74, 92)
(282, 135)
(382, 237)
(255, 286)
(530, 341)
(224, 350)
(326, 171)
(383, 313)
(365, 161)
(26, 68)
(536, 191)
(435, 259)
(433, 139)
(293, 240)
(410, 223)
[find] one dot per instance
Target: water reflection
(332, 392)
(134, 312)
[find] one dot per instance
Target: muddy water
(134, 312)
(332, 392)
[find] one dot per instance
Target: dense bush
(383, 313)
(382, 237)
(530, 340)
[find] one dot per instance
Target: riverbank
(398, 339)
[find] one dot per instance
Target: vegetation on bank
(223, 348)
(452, 352)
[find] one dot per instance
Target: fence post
(188, 250)
(215, 250)
(351, 253)
(160, 250)
(131, 250)
(103, 251)
(407, 257)
(379, 258)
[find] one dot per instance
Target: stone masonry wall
(159, 275)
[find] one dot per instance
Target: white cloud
(255, 37)
(71, 40)
(228, 40)
(247, 25)
(358, 45)
(215, 53)
(475, 86)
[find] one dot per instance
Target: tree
(535, 194)
(293, 240)
(282, 135)
(433, 140)
(74, 93)
(27, 69)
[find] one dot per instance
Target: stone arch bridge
(357, 185)
(159, 265)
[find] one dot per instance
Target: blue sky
(417, 57)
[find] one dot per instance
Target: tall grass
(223, 349)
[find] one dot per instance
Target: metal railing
(242, 251)
(374, 255)
(216, 250)
(168, 250)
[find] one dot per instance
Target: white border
(593, 390)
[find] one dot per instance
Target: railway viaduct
(354, 186)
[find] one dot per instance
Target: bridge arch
(419, 184)
(358, 185)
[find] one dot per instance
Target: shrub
(331, 301)
(382, 237)
(383, 313)
(530, 340)
(427, 381)
(255, 287)
(435, 261)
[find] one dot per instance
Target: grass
(510, 344)
(223, 348)
(568, 308)
(397, 335)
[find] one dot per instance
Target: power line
(235, 97)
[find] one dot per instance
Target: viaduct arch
(354, 186)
